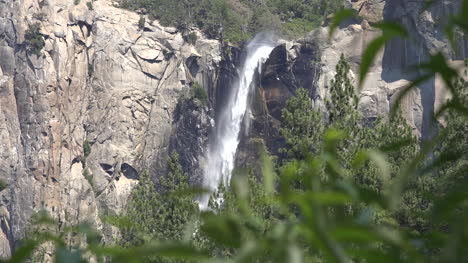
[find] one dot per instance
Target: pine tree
(160, 215)
(343, 114)
(226, 202)
(456, 141)
(301, 126)
(343, 99)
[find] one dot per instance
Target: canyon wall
(80, 121)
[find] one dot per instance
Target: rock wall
(99, 81)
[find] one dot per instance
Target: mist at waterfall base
(224, 141)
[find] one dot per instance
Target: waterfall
(225, 140)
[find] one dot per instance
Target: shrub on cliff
(141, 23)
(33, 39)
(199, 93)
(191, 38)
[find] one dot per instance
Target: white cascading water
(223, 147)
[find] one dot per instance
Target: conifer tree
(160, 215)
(343, 99)
(301, 126)
(456, 141)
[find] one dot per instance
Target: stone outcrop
(99, 81)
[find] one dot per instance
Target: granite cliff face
(103, 82)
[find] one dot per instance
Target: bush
(90, 70)
(40, 16)
(141, 23)
(88, 177)
(34, 41)
(159, 214)
(199, 93)
(298, 27)
(86, 148)
(3, 185)
(90, 5)
(191, 38)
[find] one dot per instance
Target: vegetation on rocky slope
(33, 39)
(238, 20)
(159, 215)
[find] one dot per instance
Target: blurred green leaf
(24, 252)
(329, 198)
(338, 18)
(354, 234)
(409, 170)
(447, 206)
(402, 94)
(191, 192)
(223, 229)
(390, 31)
(118, 221)
(294, 254)
(66, 256)
(268, 173)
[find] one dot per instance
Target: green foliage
(191, 38)
(301, 126)
(89, 5)
(141, 23)
(303, 129)
(86, 148)
(90, 70)
(159, 215)
(41, 16)
(343, 100)
(33, 39)
(3, 185)
(88, 177)
(316, 222)
(235, 20)
(298, 27)
(199, 93)
(456, 143)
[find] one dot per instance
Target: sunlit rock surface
(98, 79)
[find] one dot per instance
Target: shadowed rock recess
(106, 100)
